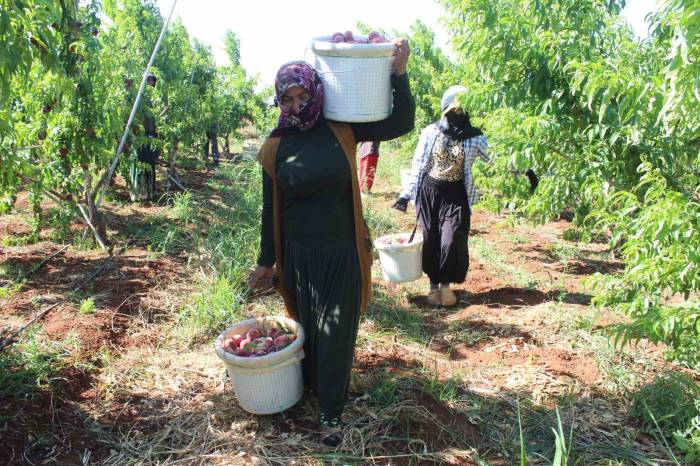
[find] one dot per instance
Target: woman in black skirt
(442, 186)
(314, 240)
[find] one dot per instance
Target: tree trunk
(93, 214)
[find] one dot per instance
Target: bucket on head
(356, 79)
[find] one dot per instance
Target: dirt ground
(430, 385)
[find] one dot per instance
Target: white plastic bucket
(265, 384)
(400, 262)
(356, 79)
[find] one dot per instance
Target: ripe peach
(281, 341)
(237, 339)
(245, 342)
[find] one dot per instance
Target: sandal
(331, 431)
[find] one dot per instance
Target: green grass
(33, 363)
(446, 391)
(669, 401)
(388, 313)
(379, 221)
(10, 274)
(183, 207)
(387, 389)
(19, 240)
(227, 252)
(6, 292)
(391, 162)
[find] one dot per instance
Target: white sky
(275, 31)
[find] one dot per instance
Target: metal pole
(102, 186)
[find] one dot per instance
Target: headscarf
(456, 125)
(298, 73)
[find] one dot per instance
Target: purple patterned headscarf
(298, 73)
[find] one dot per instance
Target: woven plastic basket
(265, 384)
(356, 79)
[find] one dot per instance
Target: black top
(315, 179)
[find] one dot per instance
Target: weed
(386, 389)
(523, 454)
(688, 440)
(32, 363)
(6, 292)
(515, 238)
(227, 249)
(19, 240)
(669, 401)
(447, 391)
(183, 206)
(562, 450)
(87, 306)
(379, 221)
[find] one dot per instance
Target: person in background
(442, 187)
(149, 152)
(369, 155)
(211, 135)
(313, 231)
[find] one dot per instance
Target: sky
(272, 32)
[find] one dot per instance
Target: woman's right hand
(400, 204)
(261, 277)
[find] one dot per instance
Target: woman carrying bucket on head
(313, 231)
(443, 189)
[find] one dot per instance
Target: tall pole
(104, 181)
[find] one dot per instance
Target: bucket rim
(323, 46)
(383, 246)
(259, 362)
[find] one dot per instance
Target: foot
(447, 297)
(331, 431)
(434, 298)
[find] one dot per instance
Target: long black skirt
(326, 281)
(443, 215)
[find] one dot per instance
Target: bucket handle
(410, 240)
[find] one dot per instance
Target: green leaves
(610, 123)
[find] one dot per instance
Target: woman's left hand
(401, 56)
